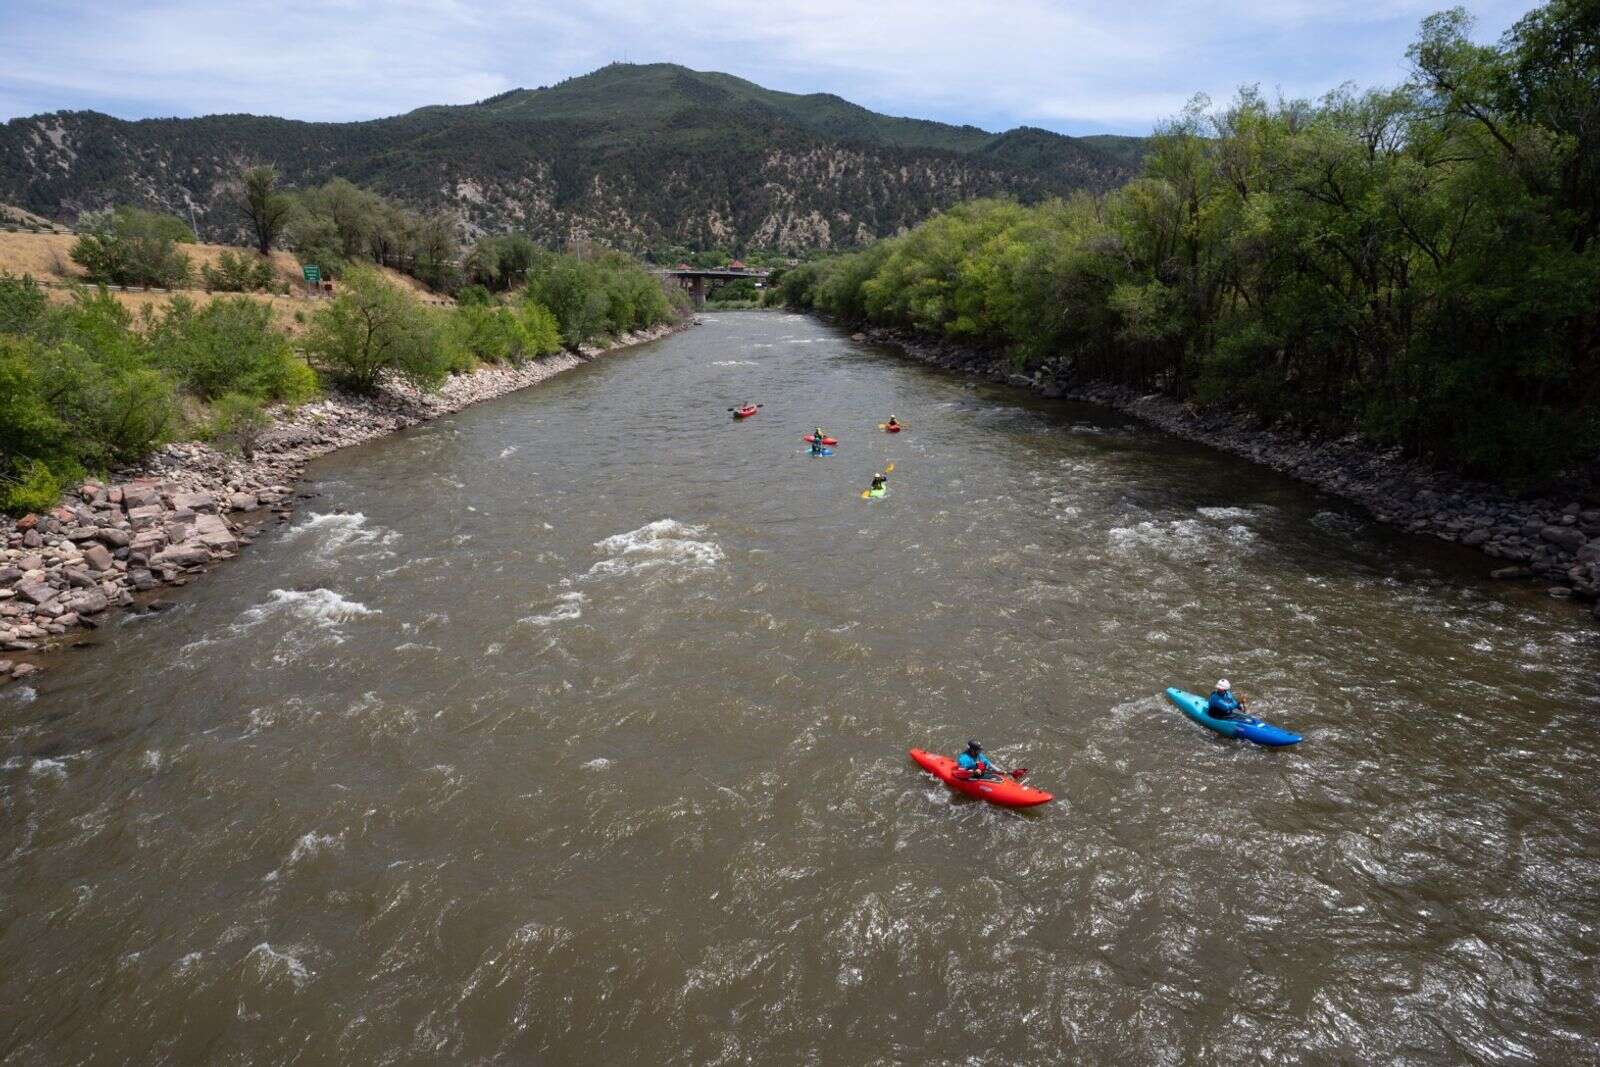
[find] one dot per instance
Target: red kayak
(743, 413)
(893, 429)
(1001, 790)
(810, 438)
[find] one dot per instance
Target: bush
(132, 247)
(237, 422)
(230, 346)
(22, 304)
(371, 329)
(239, 272)
(36, 488)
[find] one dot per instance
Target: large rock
(114, 536)
(194, 501)
(242, 501)
(91, 603)
(36, 592)
(140, 495)
(213, 532)
(189, 554)
(1565, 536)
(145, 515)
(99, 557)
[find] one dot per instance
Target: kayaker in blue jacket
(973, 762)
(1222, 704)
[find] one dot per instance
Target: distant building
(736, 265)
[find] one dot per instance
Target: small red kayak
(743, 413)
(892, 429)
(1001, 790)
(810, 438)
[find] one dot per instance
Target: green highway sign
(313, 275)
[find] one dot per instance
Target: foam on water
(1222, 514)
(569, 606)
(338, 532)
(269, 963)
(663, 543)
(508, 451)
(321, 607)
(734, 363)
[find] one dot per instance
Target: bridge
(700, 280)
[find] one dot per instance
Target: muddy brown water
(572, 728)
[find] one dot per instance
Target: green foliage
(372, 329)
(265, 207)
(237, 422)
(22, 304)
(35, 487)
(339, 224)
(229, 346)
(132, 247)
(1419, 263)
(590, 298)
(239, 272)
(499, 263)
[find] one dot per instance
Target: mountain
(633, 155)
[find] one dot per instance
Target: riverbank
(114, 543)
(1553, 541)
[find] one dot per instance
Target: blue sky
(1082, 67)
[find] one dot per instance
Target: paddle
(740, 409)
(866, 494)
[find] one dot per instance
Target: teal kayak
(1246, 726)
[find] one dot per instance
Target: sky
(1094, 66)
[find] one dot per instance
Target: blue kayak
(821, 452)
(1247, 727)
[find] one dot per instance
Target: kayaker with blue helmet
(973, 763)
(1222, 704)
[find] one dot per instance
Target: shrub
(22, 304)
(230, 346)
(238, 272)
(36, 487)
(132, 247)
(371, 329)
(237, 422)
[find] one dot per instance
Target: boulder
(99, 557)
(1475, 537)
(140, 495)
(27, 522)
(213, 532)
(1565, 536)
(78, 534)
(194, 501)
(242, 501)
(188, 554)
(114, 536)
(145, 515)
(36, 592)
(91, 603)
(78, 578)
(31, 539)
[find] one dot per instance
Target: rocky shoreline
(1553, 541)
(113, 543)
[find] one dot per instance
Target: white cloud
(1071, 66)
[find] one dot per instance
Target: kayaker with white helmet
(1222, 704)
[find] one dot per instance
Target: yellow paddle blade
(889, 469)
(881, 425)
(866, 494)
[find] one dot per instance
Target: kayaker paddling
(1222, 704)
(973, 763)
(879, 481)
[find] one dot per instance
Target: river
(573, 728)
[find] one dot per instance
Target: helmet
(1222, 685)
(973, 746)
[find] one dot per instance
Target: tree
(132, 247)
(372, 329)
(265, 207)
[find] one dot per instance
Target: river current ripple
(573, 728)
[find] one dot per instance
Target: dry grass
(46, 257)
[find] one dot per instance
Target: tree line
(1418, 263)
